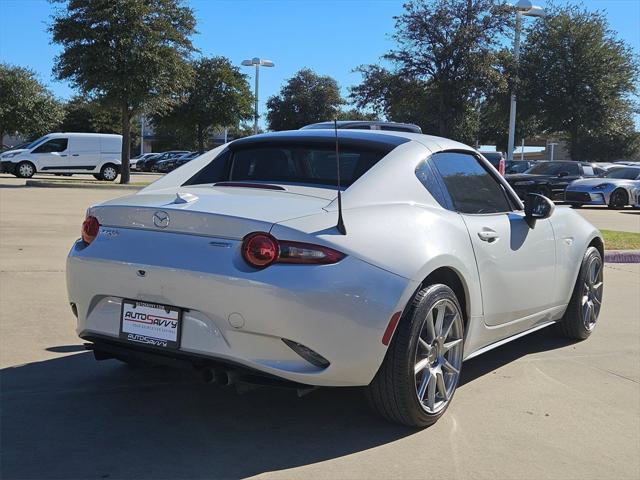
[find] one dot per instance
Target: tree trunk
(126, 148)
(200, 139)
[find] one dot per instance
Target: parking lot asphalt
(540, 407)
(624, 220)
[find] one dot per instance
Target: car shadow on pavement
(71, 417)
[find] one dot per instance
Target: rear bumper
(241, 316)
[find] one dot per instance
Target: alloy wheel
(592, 293)
(438, 356)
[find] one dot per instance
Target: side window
(471, 187)
(427, 177)
(55, 145)
(588, 171)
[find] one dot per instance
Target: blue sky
(329, 36)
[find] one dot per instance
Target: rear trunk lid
(229, 212)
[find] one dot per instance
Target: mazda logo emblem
(161, 219)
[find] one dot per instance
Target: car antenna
(340, 226)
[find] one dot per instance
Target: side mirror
(537, 207)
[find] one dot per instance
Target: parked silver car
(616, 188)
(246, 261)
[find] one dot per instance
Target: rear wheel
(421, 369)
(584, 307)
(25, 170)
(108, 172)
(618, 199)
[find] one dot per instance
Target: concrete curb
(622, 256)
(62, 184)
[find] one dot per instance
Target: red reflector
(502, 167)
(90, 228)
(393, 323)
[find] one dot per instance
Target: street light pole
(523, 8)
(512, 110)
(258, 62)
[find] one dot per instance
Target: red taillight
(90, 228)
(261, 250)
(501, 169)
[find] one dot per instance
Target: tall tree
(219, 96)
(26, 106)
(306, 98)
(129, 53)
(445, 54)
(86, 115)
(579, 79)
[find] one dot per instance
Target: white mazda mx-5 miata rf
(246, 263)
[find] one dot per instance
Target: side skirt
(508, 339)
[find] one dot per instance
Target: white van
(66, 154)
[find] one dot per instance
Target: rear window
(292, 164)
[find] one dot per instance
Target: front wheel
(584, 307)
(25, 170)
(421, 369)
(618, 199)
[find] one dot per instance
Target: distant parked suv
(365, 125)
(66, 154)
(551, 178)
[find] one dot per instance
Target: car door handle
(488, 235)
(63, 154)
(75, 155)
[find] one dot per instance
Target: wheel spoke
(423, 384)
(585, 299)
(450, 320)
(424, 345)
(431, 392)
(587, 314)
(440, 320)
(431, 334)
(449, 368)
(597, 286)
(441, 386)
(449, 345)
(421, 365)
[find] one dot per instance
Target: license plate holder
(150, 324)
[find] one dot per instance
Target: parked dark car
(366, 125)
(166, 166)
(147, 165)
(517, 166)
(551, 178)
(497, 159)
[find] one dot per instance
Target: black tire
(618, 199)
(109, 172)
(393, 391)
(574, 323)
(97, 176)
(25, 170)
